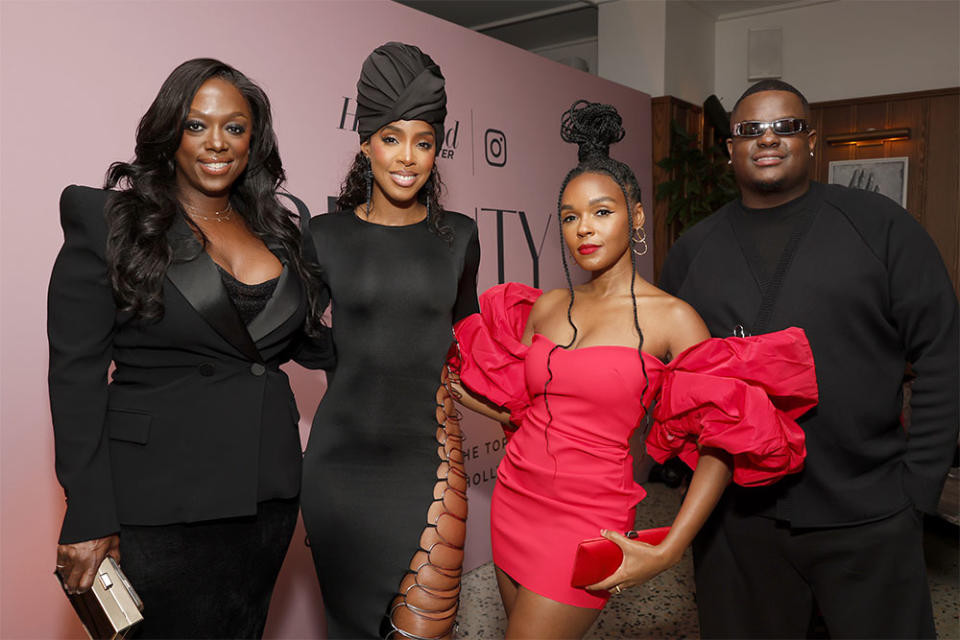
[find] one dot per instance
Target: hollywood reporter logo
(451, 136)
(495, 147)
(451, 140)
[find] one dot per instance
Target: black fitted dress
(383, 494)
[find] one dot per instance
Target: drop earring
(368, 179)
(428, 189)
(639, 238)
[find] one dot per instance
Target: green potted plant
(700, 182)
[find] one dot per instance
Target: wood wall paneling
(942, 193)
(933, 117)
(664, 110)
(660, 121)
(912, 114)
(829, 120)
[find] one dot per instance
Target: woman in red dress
(573, 372)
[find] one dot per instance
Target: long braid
(636, 318)
(573, 339)
(594, 127)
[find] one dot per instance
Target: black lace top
(249, 299)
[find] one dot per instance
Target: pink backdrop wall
(77, 76)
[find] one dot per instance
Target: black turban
(400, 82)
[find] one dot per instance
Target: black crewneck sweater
(869, 288)
(763, 234)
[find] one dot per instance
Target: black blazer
(197, 412)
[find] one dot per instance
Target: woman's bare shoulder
(676, 310)
(546, 306)
(686, 326)
(550, 300)
(681, 325)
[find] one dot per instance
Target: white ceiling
(472, 13)
(479, 14)
(721, 9)
(536, 24)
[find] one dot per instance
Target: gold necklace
(218, 216)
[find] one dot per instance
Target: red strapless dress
(565, 477)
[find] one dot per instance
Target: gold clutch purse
(111, 607)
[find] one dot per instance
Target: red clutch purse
(597, 558)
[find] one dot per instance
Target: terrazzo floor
(665, 607)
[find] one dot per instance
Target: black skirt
(209, 579)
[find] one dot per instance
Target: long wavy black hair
(141, 213)
(357, 189)
(593, 128)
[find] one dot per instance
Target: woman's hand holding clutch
(641, 561)
(77, 563)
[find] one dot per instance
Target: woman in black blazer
(192, 280)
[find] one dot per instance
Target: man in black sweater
(867, 284)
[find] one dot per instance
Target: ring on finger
(617, 590)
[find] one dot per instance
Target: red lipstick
(586, 249)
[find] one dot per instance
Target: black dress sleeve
(81, 321)
(467, 288)
(317, 351)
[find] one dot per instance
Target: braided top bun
(593, 127)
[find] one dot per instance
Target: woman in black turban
(384, 496)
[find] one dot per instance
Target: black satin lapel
(195, 275)
(183, 243)
(199, 282)
(282, 304)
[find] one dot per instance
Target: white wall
(689, 63)
(563, 52)
(660, 47)
(631, 44)
(850, 48)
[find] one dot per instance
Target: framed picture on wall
(881, 175)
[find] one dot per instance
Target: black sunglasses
(781, 127)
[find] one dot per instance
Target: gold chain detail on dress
(426, 604)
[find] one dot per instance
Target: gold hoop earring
(639, 237)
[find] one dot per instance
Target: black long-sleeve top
(868, 286)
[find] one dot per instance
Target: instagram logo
(495, 147)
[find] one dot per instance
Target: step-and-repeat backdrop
(77, 76)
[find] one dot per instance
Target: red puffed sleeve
(491, 355)
(742, 395)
